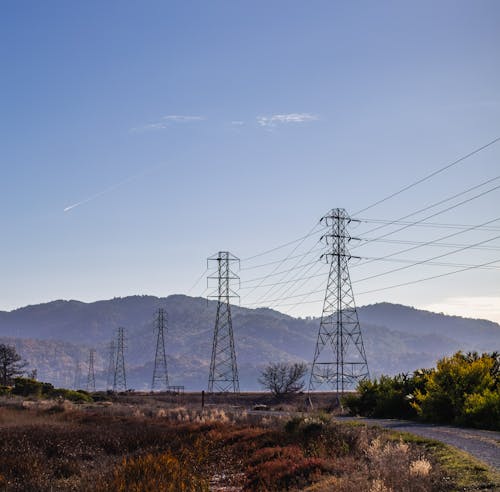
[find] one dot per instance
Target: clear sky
(138, 138)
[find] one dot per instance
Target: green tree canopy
(11, 364)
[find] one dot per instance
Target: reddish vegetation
(112, 449)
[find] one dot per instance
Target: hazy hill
(54, 336)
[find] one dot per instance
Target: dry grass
(173, 447)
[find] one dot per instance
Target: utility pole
(223, 375)
(120, 379)
(91, 373)
(160, 372)
(339, 358)
(111, 365)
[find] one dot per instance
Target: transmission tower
(160, 372)
(223, 375)
(78, 375)
(339, 358)
(111, 365)
(120, 379)
(91, 373)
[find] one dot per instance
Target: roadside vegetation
(462, 390)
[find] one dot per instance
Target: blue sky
(191, 127)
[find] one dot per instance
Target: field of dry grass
(136, 444)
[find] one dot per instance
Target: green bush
(388, 397)
(79, 396)
(33, 388)
(483, 410)
(5, 390)
(27, 387)
(463, 389)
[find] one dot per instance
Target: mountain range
(55, 338)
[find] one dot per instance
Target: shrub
(463, 389)
(388, 397)
(161, 473)
(452, 392)
(483, 409)
(27, 387)
(284, 473)
(74, 396)
(5, 390)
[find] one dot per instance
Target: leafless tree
(283, 378)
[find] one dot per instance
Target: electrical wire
(273, 275)
(440, 202)
(279, 261)
(438, 225)
(282, 261)
(430, 216)
(198, 281)
(281, 246)
(291, 289)
(428, 176)
(429, 278)
(432, 263)
(436, 241)
(443, 245)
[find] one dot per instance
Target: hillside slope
(54, 336)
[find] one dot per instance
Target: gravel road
(484, 445)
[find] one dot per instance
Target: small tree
(282, 378)
(11, 364)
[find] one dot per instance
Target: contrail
(111, 188)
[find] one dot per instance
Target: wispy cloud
(237, 123)
(166, 121)
(283, 119)
(182, 118)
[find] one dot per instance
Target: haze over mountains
(55, 336)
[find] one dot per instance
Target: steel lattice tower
(91, 373)
(78, 375)
(120, 379)
(339, 359)
(111, 365)
(160, 372)
(223, 375)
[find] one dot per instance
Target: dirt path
(483, 445)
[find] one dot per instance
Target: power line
(430, 278)
(425, 178)
(304, 280)
(297, 288)
(274, 275)
(436, 241)
(433, 263)
(432, 215)
(283, 282)
(438, 244)
(280, 261)
(438, 225)
(197, 281)
(425, 261)
(287, 297)
(281, 246)
(440, 202)
(299, 269)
